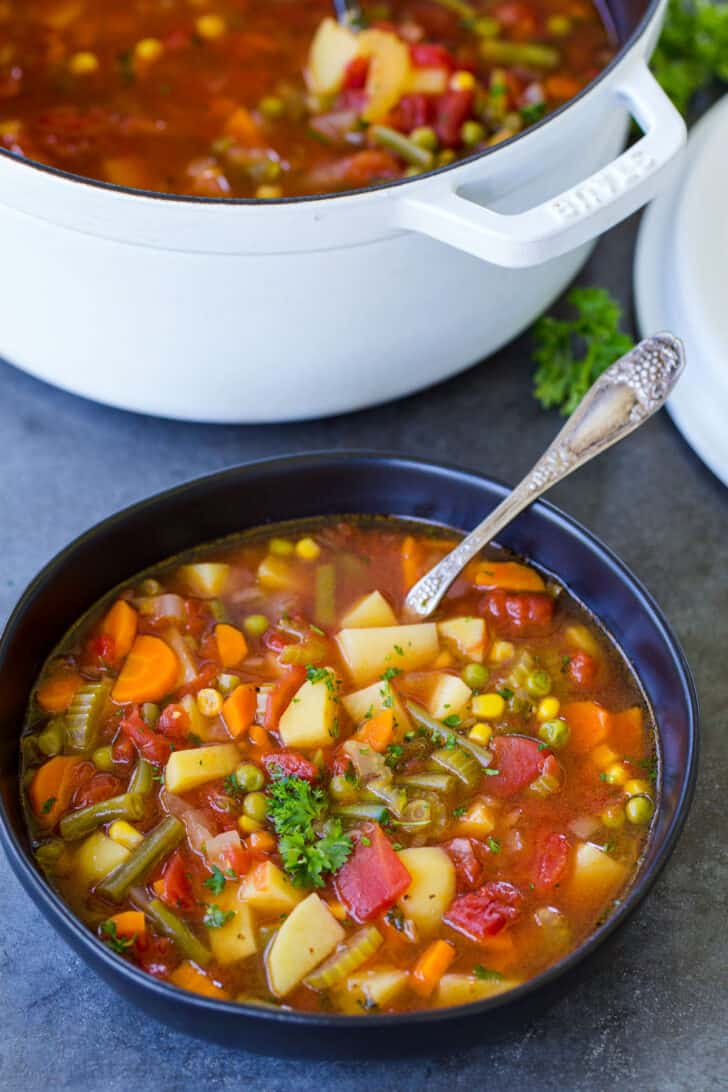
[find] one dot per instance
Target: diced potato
(469, 634)
(97, 857)
(310, 719)
(372, 610)
(460, 989)
(448, 697)
(307, 936)
(432, 888)
(235, 940)
(369, 652)
(268, 892)
(389, 71)
(207, 578)
(187, 769)
(199, 724)
(477, 821)
(373, 698)
(375, 987)
(332, 48)
(580, 636)
(596, 875)
(427, 81)
(277, 574)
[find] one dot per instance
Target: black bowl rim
(54, 908)
(624, 49)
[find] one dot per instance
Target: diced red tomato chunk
(485, 912)
(552, 859)
(453, 108)
(517, 613)
(176, 888)
(289, 764)
(150, 745)
(373, 878)
(518, 760)
(582, 669)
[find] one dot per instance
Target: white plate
(681, 284)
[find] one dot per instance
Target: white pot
(269, 311)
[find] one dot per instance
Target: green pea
(475, 676)
(639, 810)
(103, 758)
(424, 137)
(150, 587)
(445, 157)
(538, 683)
(472, 132)
(281, 547)
(613, 816)
(255, 624)
(272, 107)
(555, 733)
(255, 806)
(486, 27)
(249, 777)
(342, 790)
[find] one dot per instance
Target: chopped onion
(584, 826)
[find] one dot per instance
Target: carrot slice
(149, 673)
(129, 923)
(261, 841)
(431, 966)
(411, 562)
(55, 694)
(241, 125)
(188, 977)
(231, 645)
(52, 787)
(378, 731)
(589, 724)
(509, 575)
(238, 710)
(121, 625)
(259, 737)
(626, 732)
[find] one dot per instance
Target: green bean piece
(377, 812)
(459, 763)
(357, 950)
(443, 735)
(393, 796)
(142, 778)
(173, 927)
(157, 845)
(325, 595)
(401, 146)
(51, 739)
(150, 714)
(530, 54)
(83, 718)
(429, 782)
(77, 824)
(103, 758)
(49, 854)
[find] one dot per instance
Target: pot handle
(575, 216)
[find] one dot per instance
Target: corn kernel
(124, 834)
(209, 702)
(488, 706)
(83, 64)
(281, 547)
(638, 787)
(616, 774)
(548, 709)
(462, 81)
(268, 193)
(481, 733)
(500, 651)
(478, 820)
(248, 825)
(10, 128)
(308, 549)
(445, 659)
(148, 49)
(210, 26)
(603, 756)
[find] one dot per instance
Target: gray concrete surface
(650, 1010)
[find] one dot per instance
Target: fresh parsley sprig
(310, 845)
(693, 49)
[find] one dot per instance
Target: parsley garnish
(534, 111)
(216, 882)
(393, 754)
(315, 629)
(451, 742)
(47, 805)
(232, 786)
(451, 721)
(215, 918)
(297, 811)
(110, 936)
(506, 693)
(493, 845)
(321, 674)
(457, 813)
(399, 650)
(571, 353)
(364, 841)
(491, 773)
(485, 974)
(693, 49)
(390, 673)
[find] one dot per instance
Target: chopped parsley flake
(110, 936)
(215, 918)
(485, 974)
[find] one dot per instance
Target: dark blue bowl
(319, 484)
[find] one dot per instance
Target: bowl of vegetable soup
(425, 185)
(271, 810)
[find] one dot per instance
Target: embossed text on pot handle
(626, 395)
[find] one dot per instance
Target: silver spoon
(625, 396)
(348, 13)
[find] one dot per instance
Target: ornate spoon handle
(625, 396)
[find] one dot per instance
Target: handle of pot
(578, 214)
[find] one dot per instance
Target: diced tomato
(280, 696)
(178, 39)
(354, 171)
(123, 751)
(174, 722)
(518, 613)
(373, 878)
(355, 74)
(150, 745)
(100, 786)
(203, 678)
(453, 108)
(518, 762)
(176, 888)
(238, 859)
(156, 955)
(582, 669)
(411, 112)
(100, 650)
(289, 764)
(198, 616)
(429, 55)
(275, 640)
(485, 912)
(552, 858)
(468, 861)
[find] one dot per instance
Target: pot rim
(61, 915)
(649, 14)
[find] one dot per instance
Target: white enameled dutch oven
(246, 311)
